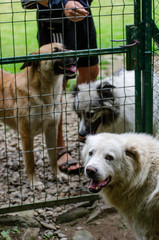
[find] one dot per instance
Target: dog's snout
(91, 171)
(83, 133)
(82, 136)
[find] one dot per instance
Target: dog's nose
(91, 171)
(83, 134)
(81, 138)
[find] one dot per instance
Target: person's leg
(87, 74)
(87, 67)
(63, 155)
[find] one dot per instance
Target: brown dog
(30, 104)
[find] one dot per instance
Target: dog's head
(63, 65)
(113, 160)
(96, 105)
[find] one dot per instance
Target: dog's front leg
(51, 139)
(28, 155)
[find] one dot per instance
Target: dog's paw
(62, 176)
(38, 185)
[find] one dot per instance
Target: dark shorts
(75, 36)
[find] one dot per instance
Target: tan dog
(125, 168)
(30, 104)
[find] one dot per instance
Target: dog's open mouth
(96, 186)
(69, 69)
(95, 125)
(92, 129)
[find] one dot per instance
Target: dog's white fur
(134, 170)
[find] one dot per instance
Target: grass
(18, 31)
(110, 20)
(18, 28)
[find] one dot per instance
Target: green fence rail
(79, 53)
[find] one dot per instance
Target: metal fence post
(138, 97)
(147, 71)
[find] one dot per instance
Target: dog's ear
(133, 153)
(28, 64)
(25, 64)
(104, 85)
(104, 90)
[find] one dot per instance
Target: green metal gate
(138, 23)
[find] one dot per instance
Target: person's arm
(30, 4)
(59, 3)
(74, 10)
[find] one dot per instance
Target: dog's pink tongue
(72, 68)
(96, 185)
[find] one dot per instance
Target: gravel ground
(14, 186)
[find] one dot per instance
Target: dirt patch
(110, 227)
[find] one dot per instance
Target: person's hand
(75, 11)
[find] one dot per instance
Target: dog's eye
(56, 49)
(109, 158)
(90, 153)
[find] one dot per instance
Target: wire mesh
(155, 63)
(18, 30)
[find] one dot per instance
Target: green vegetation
(8, 233)
(103, 64)
(5, 235)
(18, 31)
(110, 18)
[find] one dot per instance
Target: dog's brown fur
(30, 104)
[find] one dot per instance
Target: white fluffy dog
(125, 168)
